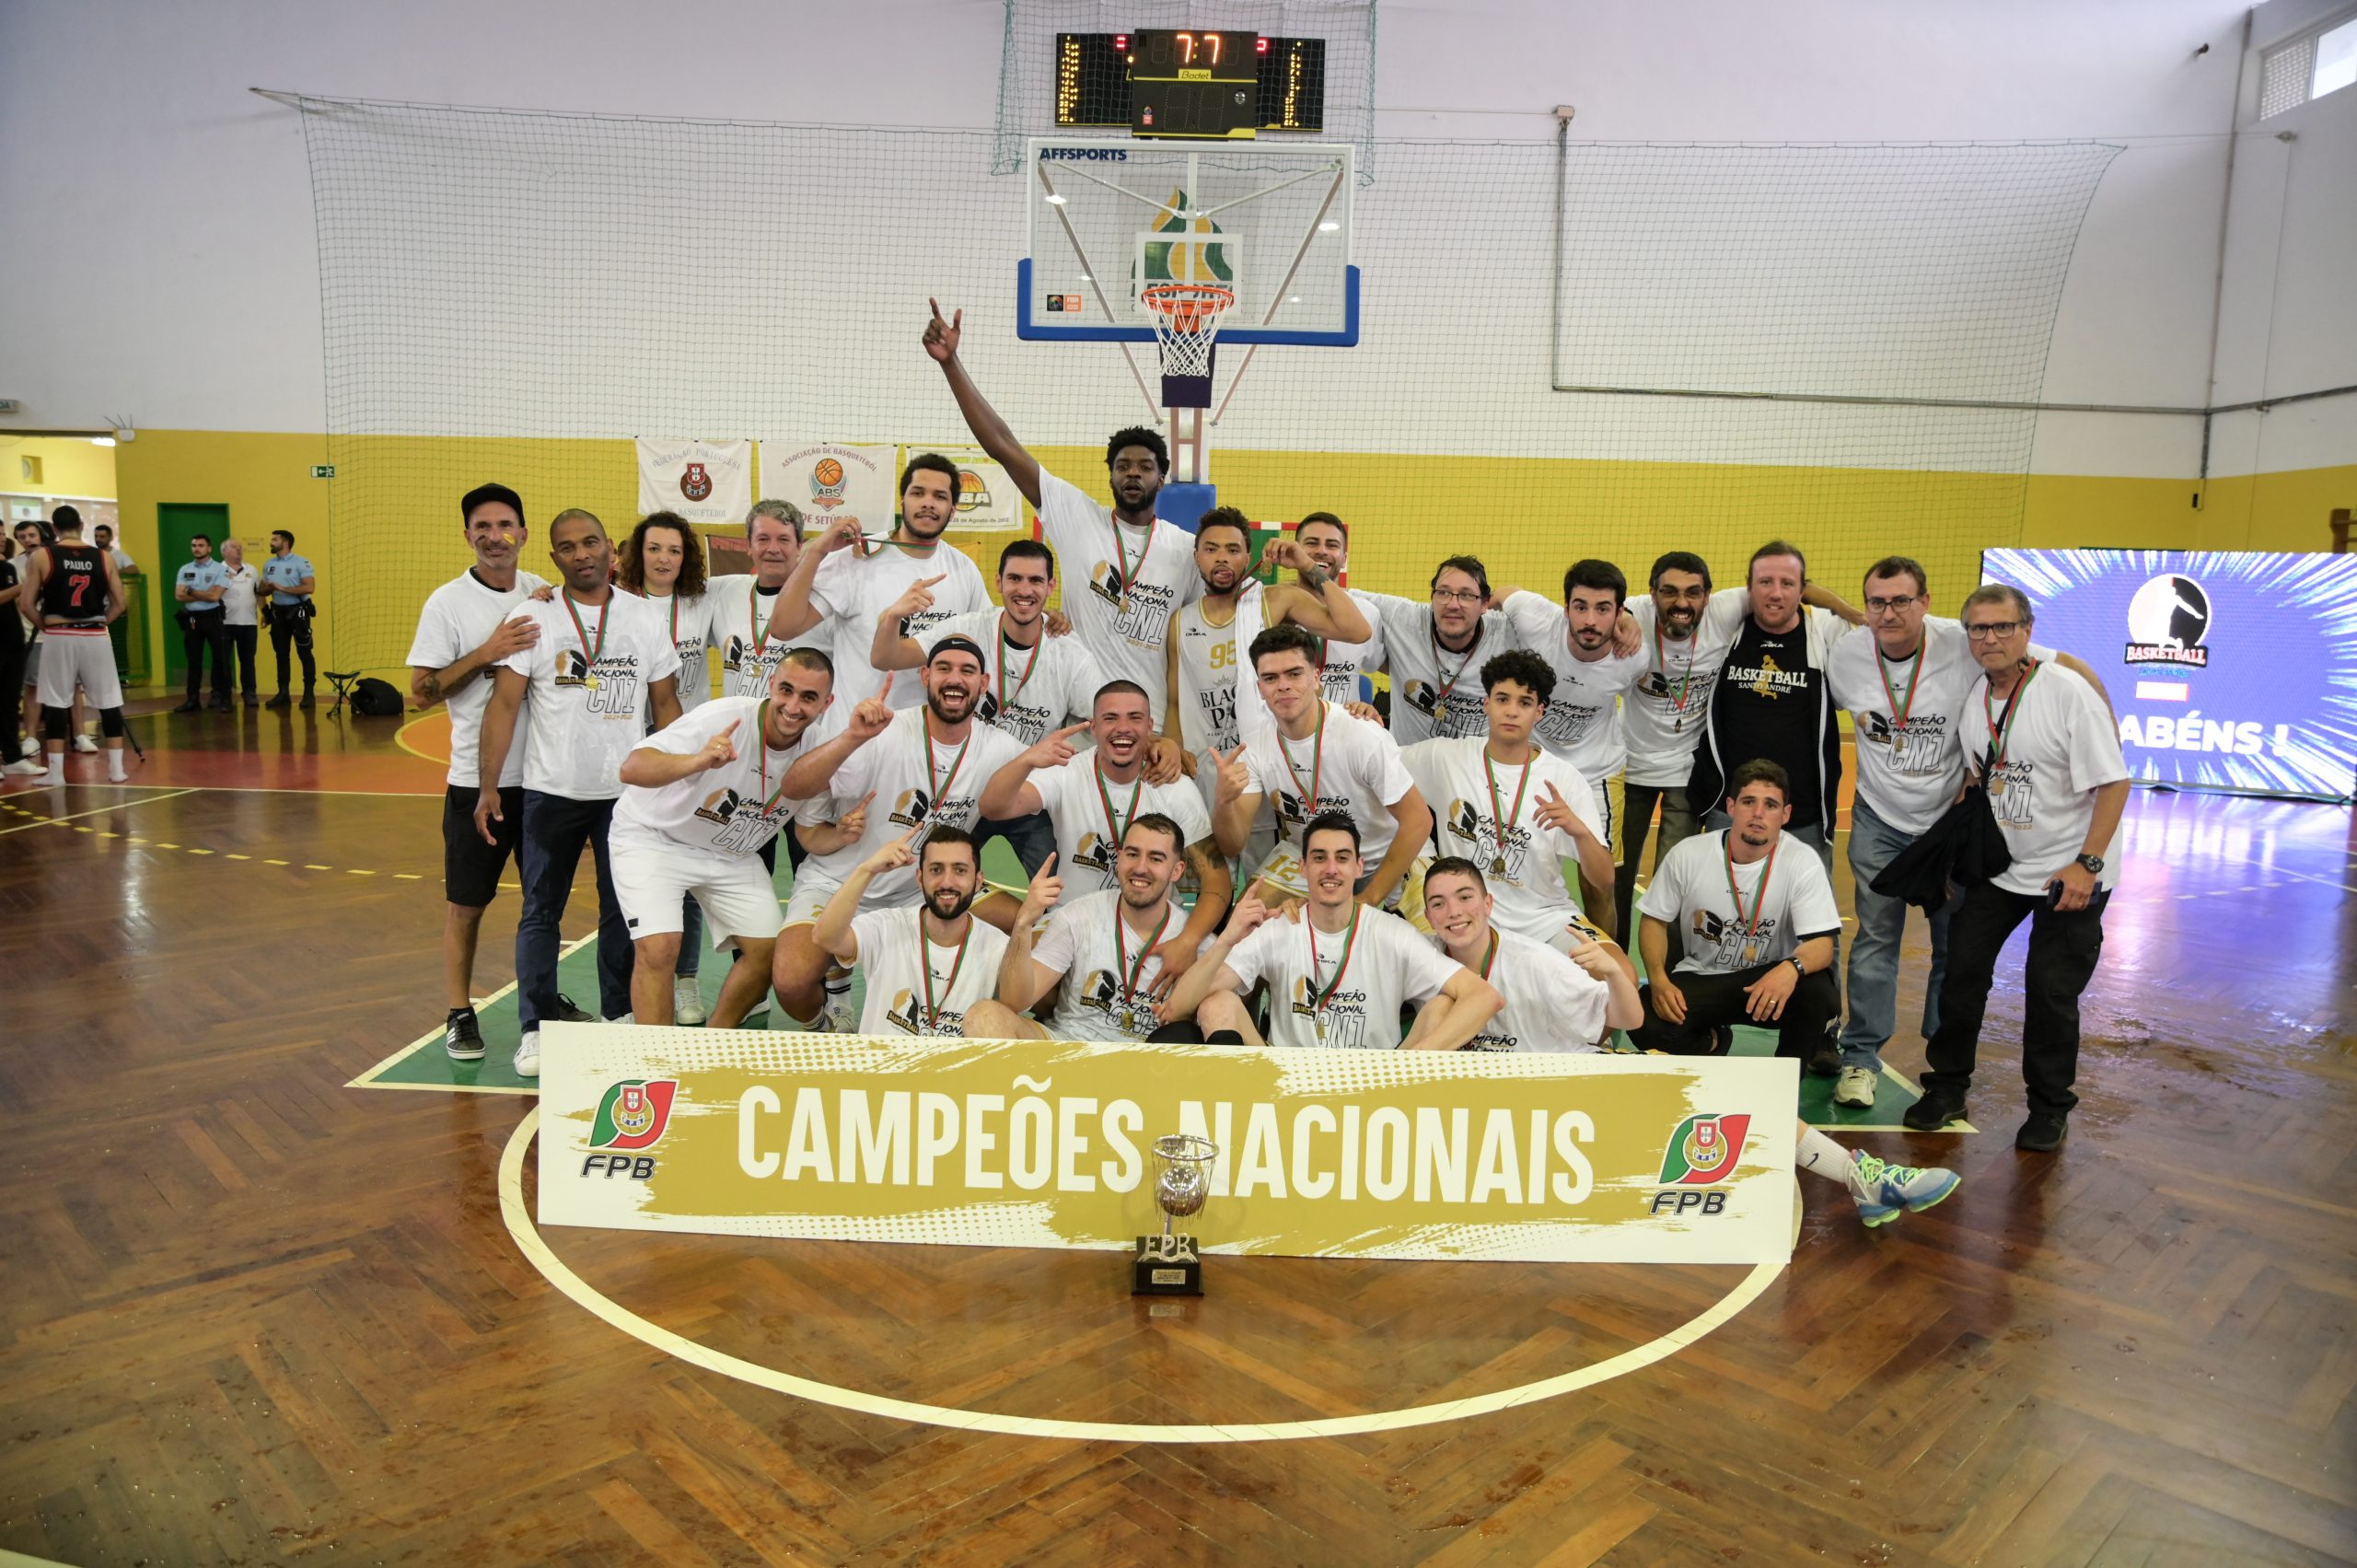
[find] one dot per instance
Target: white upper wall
(160, 262)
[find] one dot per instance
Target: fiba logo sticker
(632, 1118)
(827, 483)
(695, 483)
(2167, 621)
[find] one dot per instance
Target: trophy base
(1166, 1266)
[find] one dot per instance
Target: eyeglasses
(1889, 606)
(1988, 629)
(1460, 596)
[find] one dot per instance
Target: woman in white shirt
(663, 562)
(239, 618)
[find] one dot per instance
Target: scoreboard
(1190, 84)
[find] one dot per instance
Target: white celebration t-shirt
(459, 617)
(1090, 814)
(1435, 691)
(737, 609)
(1108, 983)
(1908, 772)
(590, 674)
(1352, 766)
(688, 617)
(1388, 965)
(1551, 1004)
(1582, 724)
(733, 809)
(1689, 891)
(851, 590)
(1124, 630)
(1532, 897)
(917, 782)
(898, 1001)
(1670, 701)
(2060, 748)
(1025, 691)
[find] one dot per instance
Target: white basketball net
(1186, 322)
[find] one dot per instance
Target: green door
(175, 523)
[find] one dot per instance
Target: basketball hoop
(1186, 324)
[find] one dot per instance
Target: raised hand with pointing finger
(853, 824)
(940, 336)
(870, 718)
(1054, 749)
(1045, 889)
(1554, 811)
(1234, 778)
(915, 601)
(720, 751)
(900, 852)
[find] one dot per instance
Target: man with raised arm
(926, 964)
(1337, 977)
(1327, 541)
(1130, 571)
(2042, 742)
(469, 625)
(1553, 1001)
(844, 582)
(1313, 758)
(1103, 948)
(743, 606)
(1090, 798)
(920, 769)
(1512, 809)
(1435, 652)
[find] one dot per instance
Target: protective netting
(515, 296)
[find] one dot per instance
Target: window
(2308, 68)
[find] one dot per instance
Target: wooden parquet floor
(252, 1316)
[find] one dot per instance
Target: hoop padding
(1186, 322)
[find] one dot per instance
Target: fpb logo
(695, 485)
(634, 1114)
(1704, 1150)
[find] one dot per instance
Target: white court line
(583, 1295)
(93, 811)
(368, 1080)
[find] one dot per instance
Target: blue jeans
(1873, 953)
(556, 827)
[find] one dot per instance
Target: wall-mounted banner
(987, 499)
(704, 481)
(834, 480)
(1352, 1154)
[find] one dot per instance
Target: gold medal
(1498, 866)
(1440, 713)
(1318, 1020)
(590, 681)
(1129, 1021)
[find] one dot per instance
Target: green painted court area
(422, 1064)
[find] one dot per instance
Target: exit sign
(322, 471)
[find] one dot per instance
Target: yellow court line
(583, 1295)
(93, 811)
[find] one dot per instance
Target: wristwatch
(1799, 968)
(2091, 864)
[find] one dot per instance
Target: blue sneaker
(1893, 1187)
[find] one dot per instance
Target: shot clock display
(1190, 80)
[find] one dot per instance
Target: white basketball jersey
(1216, 693)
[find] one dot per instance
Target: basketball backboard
(1105, 219)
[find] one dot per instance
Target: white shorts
(77, 658)
(810, 892)
(653, 878)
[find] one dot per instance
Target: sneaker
(687, 1001)
(83, 743)
(837, 1018)
(527, 1054)
(29, 746)
(462, 1037)
(22, 768)
(1891, 1188)
(280, 701)
(1856, 1086)
(1934, 1111)
(621, 1019)
(2043, 1132)
(1825, 1063)
(566, 1013)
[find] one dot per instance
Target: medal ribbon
(760, 740)
(1316, 764)
(1116, 824)
(924, 966)
(1318, 999)
(1124, 574)
(754, 619)
(590, 655)
(2001, 730)
(1030, 665)
(1491, 956)
(1505, 820)
(1131, 972)
(1432, 631)
(1899, 710)
(1760, 894)
(924, 741)
(1661, 668)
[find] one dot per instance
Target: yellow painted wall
(396, 530)
(70, 466)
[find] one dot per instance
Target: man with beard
(1759, 927)
(699, 799)
(1339, 977)
(847, 586)
(915, 770)
(1511, 807)
(743, 607)
(2044, 745)
(1553, 1001)
(1091, 798)
(1316, 758)
(1210, 707)
(1032, 680)
(926, 964)
(1435, 652)
(468, 626)
(1105, 948)
(1322, 535)
(602, 664)
(1135, 571)
(1582, 724)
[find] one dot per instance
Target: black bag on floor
(374, 699)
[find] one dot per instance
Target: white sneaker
(22, 768)
(527, 1054)
(1856, 1086)
(838, 1018)
(625, 1018)
(83, 743)
(687, 1001)
(30, 746)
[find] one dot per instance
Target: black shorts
(471, 867)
